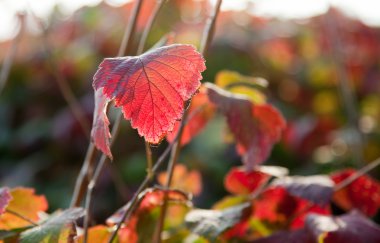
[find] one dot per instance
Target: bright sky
(366, 10)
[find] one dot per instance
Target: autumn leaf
(362, 194)
(249, 86)
(5, 197)
(150, 198)
(25, 203)
(101, 234)
(255, 127)
(201, 111)
(348, 228)
(152, 88)
(100, 132)
(57, 228)
(240, 181)
(183, 179)
(317, 188)
(277, 206)
(211, 223)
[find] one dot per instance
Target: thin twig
(21, 217)
(342, 185)
(149, 160)
(205, 43)
(8, 61)
(125, 46)
(357, 174)
(134, 201)
(62, 82)
(145, 34)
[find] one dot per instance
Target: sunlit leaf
(183, 179)
(58, 228)
(152, 88)
(255, 127)
(201, 110)
(25, 203)
(100, 132)
(362, 194)
(348, 228)
(211, 223)
(240, 84)
(278, 207)
(151, 198)
(240, 181)
(317, 189)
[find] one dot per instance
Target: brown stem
(21, 217)
(357, 174)
(342, 184)
(148, 152)
(145, 34)
(205, 43)
(81, 182)
(8, 61)
(134, 201)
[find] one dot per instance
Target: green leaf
(55, 229)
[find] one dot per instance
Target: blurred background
(321, 58)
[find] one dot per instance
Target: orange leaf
(183, 179)
(24, 202)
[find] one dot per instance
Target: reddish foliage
(363, 193)
(151, 199)
(349, 228)
(240, 181)
(152, 88)
(256, 128)
(100, 132)
(277, 206)
(201, 110)
(5, 197)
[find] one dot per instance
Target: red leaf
(5, 197)
(277, 206)
(151, 88)
(240, 181)
(100, 132)
(363, 193)
(255, 127)
(201, 110)
(348, 228)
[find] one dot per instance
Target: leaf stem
(63, 84)
(21, 217)
(82, 181)
(134, 201)
(357, 174)
(205, 43)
